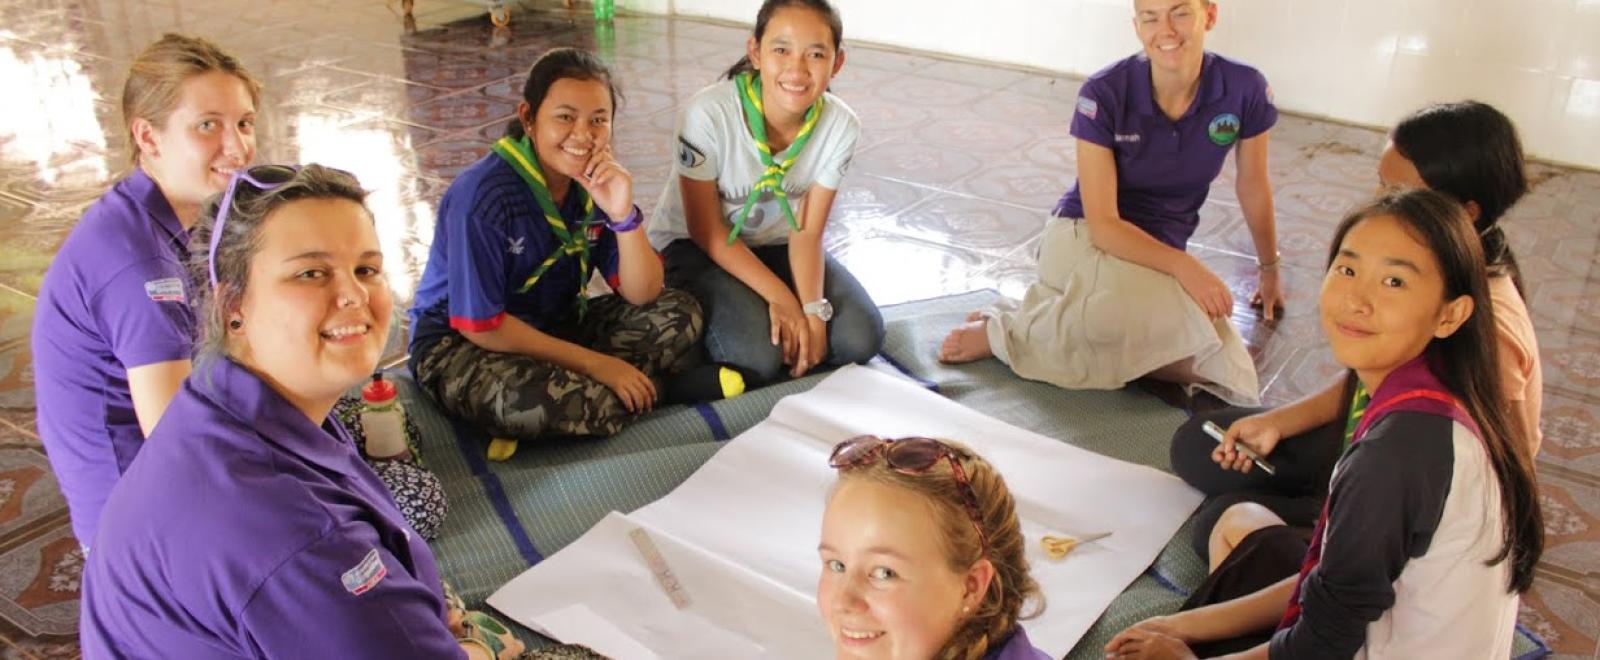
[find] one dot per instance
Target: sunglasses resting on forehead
(263, 178)
(912, 456)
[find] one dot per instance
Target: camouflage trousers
(518, 397)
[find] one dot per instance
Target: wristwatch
(820, 308)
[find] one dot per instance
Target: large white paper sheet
(740, 535)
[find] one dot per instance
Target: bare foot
(966, 343)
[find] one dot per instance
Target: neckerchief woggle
(519, 155)
(772, 178)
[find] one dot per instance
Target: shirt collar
(149, 197)
(1414, 375)
(1014, 647)
(1421, 373)
(1212, 86)
(248, 398)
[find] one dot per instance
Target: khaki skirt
(1094, 321)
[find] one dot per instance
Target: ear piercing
(236, 324)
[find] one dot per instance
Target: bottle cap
(379, 390)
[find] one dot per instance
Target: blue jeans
(738, 324)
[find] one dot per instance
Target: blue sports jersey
(490, 238)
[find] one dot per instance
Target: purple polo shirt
(247, 531)
(1017, 647)
(1165, 167)
(115, 297)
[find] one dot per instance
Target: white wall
(1362, 61)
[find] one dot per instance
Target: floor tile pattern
(958, 166)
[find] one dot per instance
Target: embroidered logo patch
(1224, 129)
(1087, 107)
(517, 245)
(1131, 137)
(166, 289)
(689, 157)
(365, 575)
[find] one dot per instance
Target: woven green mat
(506, 516)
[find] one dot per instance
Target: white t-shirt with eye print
(715, 144)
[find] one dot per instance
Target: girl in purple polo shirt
(1118, 297)
(113, 331)
(922, 555)
(1433, 523)
(278, 541)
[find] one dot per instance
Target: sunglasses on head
(261, 177)
(913, 456)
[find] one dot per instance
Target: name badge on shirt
(166, 289)
(365, 575)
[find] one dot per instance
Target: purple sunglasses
(263, 178)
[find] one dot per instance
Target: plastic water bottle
(604, 10)
(383, 420)
(605, 40)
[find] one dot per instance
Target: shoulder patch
(689, 156)
(1088, 107)
(166, 289)
(365, 575)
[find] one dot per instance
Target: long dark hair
(1468, 363)
(556, 64)
(822, 7)
(1470, 151)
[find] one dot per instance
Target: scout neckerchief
(1358, 408)
(772, 178)
(519, 155)
(1415, 389)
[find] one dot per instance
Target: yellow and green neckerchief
(771, 179)
(1358, 409)
(519, 155)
